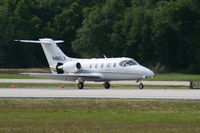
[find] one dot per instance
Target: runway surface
(173, 83)
(170, 94)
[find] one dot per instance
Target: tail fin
(52, 52)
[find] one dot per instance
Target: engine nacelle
(59, 71)
(71, 67)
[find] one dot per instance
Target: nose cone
(147, 72)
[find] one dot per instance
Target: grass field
(28, 70)
(17, 76)
(98, 116)
(176, 77)
(15, 73)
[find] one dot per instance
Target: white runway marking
(101, 93)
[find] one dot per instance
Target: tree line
(162, 34)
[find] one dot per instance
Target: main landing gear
(106, 85)
(80, 85)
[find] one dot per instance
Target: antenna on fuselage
(104, 56)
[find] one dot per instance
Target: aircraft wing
(70, 76)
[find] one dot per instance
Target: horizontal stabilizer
(41, 41)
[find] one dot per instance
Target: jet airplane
(81, 70)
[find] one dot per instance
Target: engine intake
(78, 65)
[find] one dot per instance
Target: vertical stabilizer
(52, 52)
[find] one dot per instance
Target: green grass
(176, 77)
(15, 73)
(29, 70)
(17, 76)
(98, 116)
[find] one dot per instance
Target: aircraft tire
(141, 86)
(106, 85)
(80, 85)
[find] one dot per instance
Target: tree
(174, 34)
(65, 24)
(133, 35)
(165, 32)
(97, 28)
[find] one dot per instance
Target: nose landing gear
(106, 85)
(141, 86)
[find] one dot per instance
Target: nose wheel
(106, 85)
(141, 86)
(80, 85)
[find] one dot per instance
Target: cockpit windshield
(126, 63)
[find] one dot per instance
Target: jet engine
(70, 67)
(59, 71)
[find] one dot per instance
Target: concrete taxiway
(170, 94)
(172, 83)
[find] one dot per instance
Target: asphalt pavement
(172, 83)
(93, 93)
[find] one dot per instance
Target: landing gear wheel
(106, 85)
(80, 85)
(141, 86)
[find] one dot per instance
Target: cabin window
(90, 65)
(96, 66)
(102, 65)
(114, 65)
(108, 65)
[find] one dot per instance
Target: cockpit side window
(122, 62)
(126, 63)
(130, 63)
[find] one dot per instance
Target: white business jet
(81, 70)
